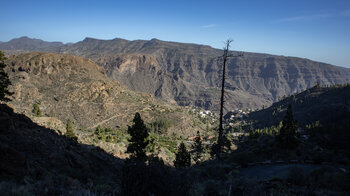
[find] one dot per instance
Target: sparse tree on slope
(183, 157)
(36, 110)
(286, 137)
(69, 130)
(139, 139)
(4, 80)
(197, 148)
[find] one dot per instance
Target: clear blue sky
(314, 29)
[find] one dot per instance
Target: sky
(315, 29)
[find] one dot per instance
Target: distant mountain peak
(23, 37)
(89, 39)
(26, 38)
(30, 44)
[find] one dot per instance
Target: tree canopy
(197, 148)
(4, 80)
(139, 138)
(288, 130)
(183, 157)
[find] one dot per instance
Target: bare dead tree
(225, 57)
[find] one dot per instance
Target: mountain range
(190, 74)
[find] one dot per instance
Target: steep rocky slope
(190, 74)
(68, 87)
(328, 105)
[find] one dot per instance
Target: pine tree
(183, 157)
(69, 131)
(286, 137)
(4, 80)
(139, 139)
(197, 148)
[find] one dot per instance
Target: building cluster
(205, 113)
(238, 114)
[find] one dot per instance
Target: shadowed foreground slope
(37, 161)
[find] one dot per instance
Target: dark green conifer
(183, 157)
(139, 139)
(4, 80)
(286, 137)
(197, 148)
(69, 131)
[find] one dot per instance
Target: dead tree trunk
(225, 57)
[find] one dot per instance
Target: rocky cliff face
(190, 74)
(69, 87)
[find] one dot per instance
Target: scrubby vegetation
(160, 126)
(69, 130)
(36, 110)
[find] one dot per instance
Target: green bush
(100, 132)
(160, 126)
(36, 110)
(109, 138)
(159, 141)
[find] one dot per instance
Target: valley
(67, 127)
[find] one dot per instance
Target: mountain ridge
(190, 74)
